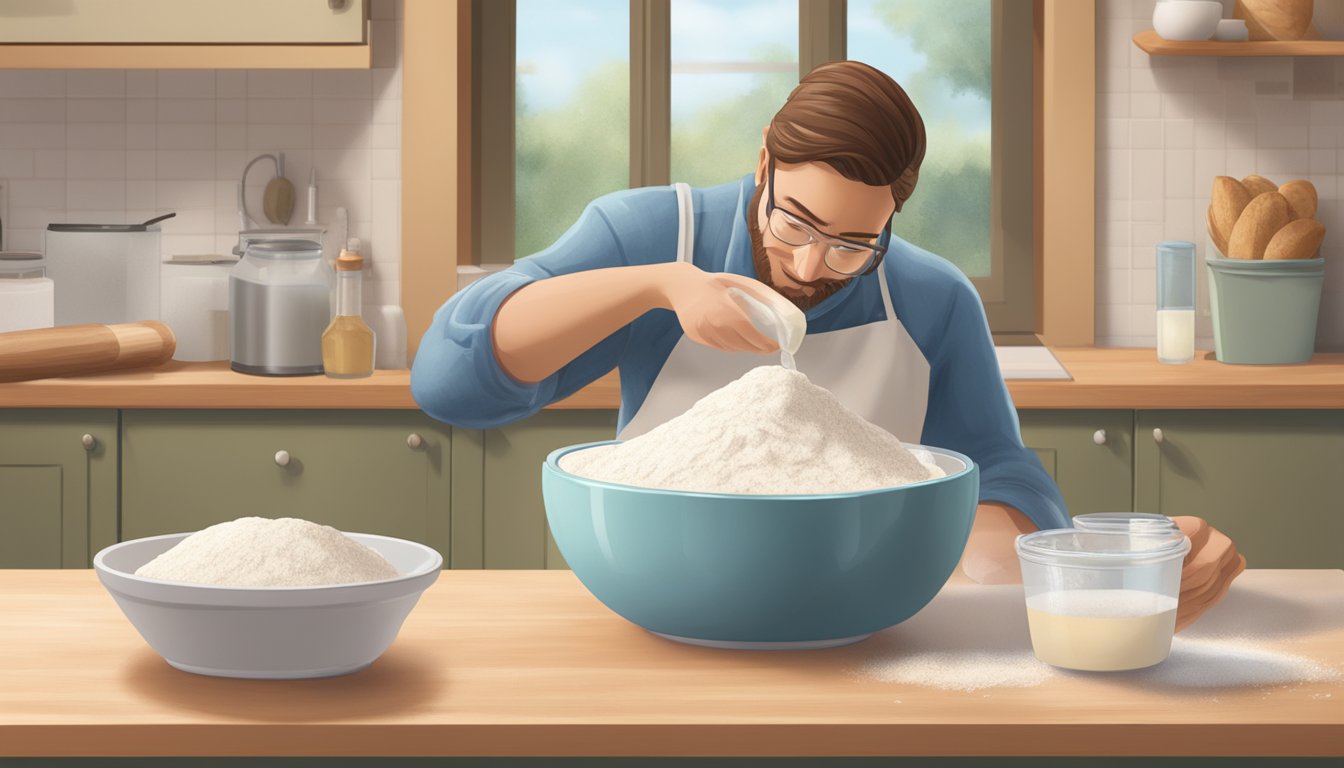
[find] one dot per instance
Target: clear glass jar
(278, 308)
(1175, 301)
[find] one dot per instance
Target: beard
(811, 294)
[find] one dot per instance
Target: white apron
(876, 370)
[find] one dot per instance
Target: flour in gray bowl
(261, 552)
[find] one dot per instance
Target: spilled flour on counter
(770, 432)
(261, 552)
(1192, 664)
(1231, 663)
(964, 671)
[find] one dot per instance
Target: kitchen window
(576, 99)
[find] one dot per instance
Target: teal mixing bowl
(764, 572)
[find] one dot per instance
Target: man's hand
(709, 315)
(990, 556)
(1209, 568)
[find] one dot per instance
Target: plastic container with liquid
(1101, 600)
(348, 343)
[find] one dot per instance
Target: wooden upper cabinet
(130, 34)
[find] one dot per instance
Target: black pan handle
(157, 219)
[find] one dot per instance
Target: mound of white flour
(770, 432)
(260, 552)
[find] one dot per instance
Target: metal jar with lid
(27, 295)
(278, 308)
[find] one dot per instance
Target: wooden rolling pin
(72, 350)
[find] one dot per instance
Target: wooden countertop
(527, 663)
(1102, 378)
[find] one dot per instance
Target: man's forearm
(545, 325)
(990, 557)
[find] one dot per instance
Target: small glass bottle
(1175, 301)
(347, 344)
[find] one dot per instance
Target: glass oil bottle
(347, 344)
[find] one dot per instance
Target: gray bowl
(267, 632)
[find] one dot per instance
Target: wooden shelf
(1153, 45)
(185, 56)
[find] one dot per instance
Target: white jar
(27, 295)
(196, 306)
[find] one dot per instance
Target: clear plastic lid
(1136, 522)
(1071, 547)
(22, 265)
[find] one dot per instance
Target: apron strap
(685, 223)
(886, 291)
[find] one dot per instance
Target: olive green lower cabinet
(1272, 480)
(58, 486)
(502, 524)
(384, 472)
(1089, 453)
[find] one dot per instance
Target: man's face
(817, 194)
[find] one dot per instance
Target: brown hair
(855, 119)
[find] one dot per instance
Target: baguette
(1258, 185)
(1228, 200)
(1265, 215)
(1219, 242)
(1299, 239)
(1302, 199)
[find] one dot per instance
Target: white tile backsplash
(114, 146)
(95, 136)
(95, 83)
(1165, 127)
(279, 83)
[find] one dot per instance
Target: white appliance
(106, 273)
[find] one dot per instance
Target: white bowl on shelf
(1187, 19)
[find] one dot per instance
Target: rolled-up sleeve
(970, 411)
(456, 377)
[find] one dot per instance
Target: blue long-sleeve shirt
(457, 379)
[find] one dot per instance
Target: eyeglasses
(847, 257)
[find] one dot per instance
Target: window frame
(1009, 293)
(441, 113)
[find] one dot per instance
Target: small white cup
(1232, 30)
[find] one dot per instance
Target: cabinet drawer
(58, 486)
(1270, 480)
(182, 22)
(354, 470)
(513, 516)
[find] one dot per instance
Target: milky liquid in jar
(1101, 630)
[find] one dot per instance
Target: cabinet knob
(414, 440)
(1157, 435)
(89, 441)
(1099, 437)
(282, 458)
